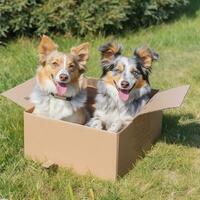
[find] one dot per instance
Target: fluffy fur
(60, 91)
(123, 88)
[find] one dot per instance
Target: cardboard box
(106, 155)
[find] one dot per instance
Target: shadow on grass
(187, 133)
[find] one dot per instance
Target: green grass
(171, 170)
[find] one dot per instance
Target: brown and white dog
(60, 91)
(123, 88)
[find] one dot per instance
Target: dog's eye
(136, 73)
(71, 67)
(55, 64)
(116, 70)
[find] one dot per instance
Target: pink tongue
(61, 89)
(123, 95)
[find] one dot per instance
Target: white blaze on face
(64, 67)
(63, 70)
(126, 75)
(61, 86)
(65, 62)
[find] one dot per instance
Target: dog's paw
(115, 126)
(95, 123)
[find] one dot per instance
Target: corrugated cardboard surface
(20, 94)
(104, 154)
(137, 138)
(170, 98)
(70, 145)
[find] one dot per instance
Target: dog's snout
(63, 77)
(125, 84)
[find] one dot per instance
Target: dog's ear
(81, 54)
(145, 57)
(46, 46)
(109, 52)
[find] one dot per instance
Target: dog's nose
(125, 84)
(63, 77)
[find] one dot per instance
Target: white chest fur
(47, 105)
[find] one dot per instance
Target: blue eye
(136, 74)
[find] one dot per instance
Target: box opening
(91, 95)
(158, 100)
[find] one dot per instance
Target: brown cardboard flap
(171, 98)
(20, 94)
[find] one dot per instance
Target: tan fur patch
(108, 54)
(44, 73)
(57, 61)
(46, 46)
(81, 115)
(75, 76)
(145, 54)
(120, 67)
(140, 83)
(42, 76)
(109, 78)
(81, 53)
(73, 69)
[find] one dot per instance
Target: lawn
(171, 170)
